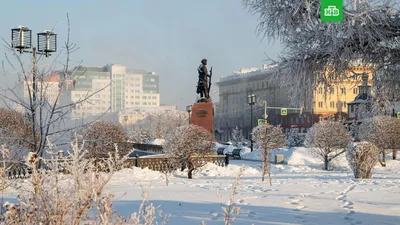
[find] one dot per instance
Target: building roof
(52, 78)
(245, 74)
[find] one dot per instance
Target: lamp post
(251, 99)
(189, 110)
(21, 40)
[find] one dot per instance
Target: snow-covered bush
(267, 137)
(383, 131)
(294, 139)
(362, 157)
(188, 144)
(327, 140)
(237, 137)
(100, 137)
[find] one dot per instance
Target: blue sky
(167, 37)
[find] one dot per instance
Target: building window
(320, 104)
(137, 97)
(137, 91)
(355, 91)
(154, 97)
(320, 90)
(137, 85)
(144, 103)
(332, 104)
(343, 90)
(332, 91)
(154, 103)
(137, 103)
(144, 97)
(344, 104)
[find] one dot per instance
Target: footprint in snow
(214, 215)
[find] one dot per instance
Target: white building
(111, 88)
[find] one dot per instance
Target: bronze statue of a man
(203, 84)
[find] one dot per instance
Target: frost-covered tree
(237, 137)
(187, 144)
(383, 131)
(42, 102)
(362, 157)
(156, 126)
(294, 139)
(327, 140)
(268, 137)
(368, 35)
(16, 133)
(100, 137)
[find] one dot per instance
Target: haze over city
(166, 37)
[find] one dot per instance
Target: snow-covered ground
(301, 193)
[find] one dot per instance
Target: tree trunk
(383, 158)
(326, 162)
(394, 157)
(190, 170)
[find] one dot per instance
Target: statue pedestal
(203, 115)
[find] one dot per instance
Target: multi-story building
(111, 88)
(233, 110)
(333, 98)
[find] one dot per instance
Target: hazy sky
(167, 37)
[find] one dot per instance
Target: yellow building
(333, 98)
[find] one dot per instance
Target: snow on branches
(156, 126)
(187, 144)
(100, 137)
(362, 158)
(327, 140)
(368, 35)
(237, 137)
(383, 131)
(267, 137)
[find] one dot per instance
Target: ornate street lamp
(47, 42)
(189, 110)
(21, 38)
(251, 100)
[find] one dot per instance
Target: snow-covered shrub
(383, 131)
(100, 137)
(237, 137)
(294, 139)
(362, 157)
(327, 140)
(267, 137)
(188, 144)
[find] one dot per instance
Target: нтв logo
(331, 10)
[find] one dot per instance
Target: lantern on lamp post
(21, 38)
(47, 42)
(189, 110)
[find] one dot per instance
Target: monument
(203, 109)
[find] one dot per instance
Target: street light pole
(251, 100)
(21, 40)
(189, 110)
(34, 84)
